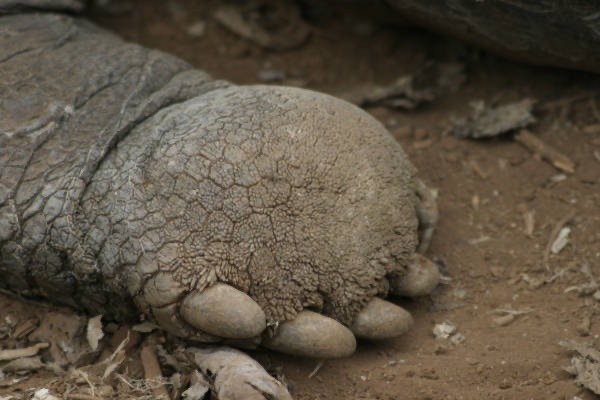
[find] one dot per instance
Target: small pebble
(504, 320)
(196, 29)
(561, 240)
(271, 75)
(584, 327)
(444, 330)
(458, 338)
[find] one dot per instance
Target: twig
(507, 311)
(317, 368)
(547, 152)
(559, 225)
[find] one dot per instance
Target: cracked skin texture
(129, 179)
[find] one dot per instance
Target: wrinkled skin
(131, 182)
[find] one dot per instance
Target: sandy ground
(500, 206)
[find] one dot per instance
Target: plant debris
(94, 331)
(545, 151)
(233, 372)
(410, 91)
(43, 394)
(444, 330)
(507, 316)
(589, 287)
(562, 239)
(274, 25)
(485, 122)
(11, 354)
(585, 364)
(554, 237)
(152, 370)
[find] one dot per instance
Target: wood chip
(24, 352)
(94, 331)
(547, 152)
(557, 228)
(152, 370)
(23, 364)
(475, 202)
(562, 239)
(584, 327)
(529, 217)
(24, 328)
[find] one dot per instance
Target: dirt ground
(500, 207)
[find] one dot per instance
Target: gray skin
(132, 183)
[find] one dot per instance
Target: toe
(313, 335)
(381, 319)
(224, 311)
(422, 276)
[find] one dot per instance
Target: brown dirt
(482, 243)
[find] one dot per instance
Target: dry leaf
(94, 331)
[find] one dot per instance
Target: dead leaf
(198, 388)
(94, 331)
(272, 25)
(485, 121)
(585, 364)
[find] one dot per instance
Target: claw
(421, 277)
(313, 335)
(224, 311)
(381, 319)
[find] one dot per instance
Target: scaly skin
(131, 182)
(70, 91)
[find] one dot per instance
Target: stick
(548, 153)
